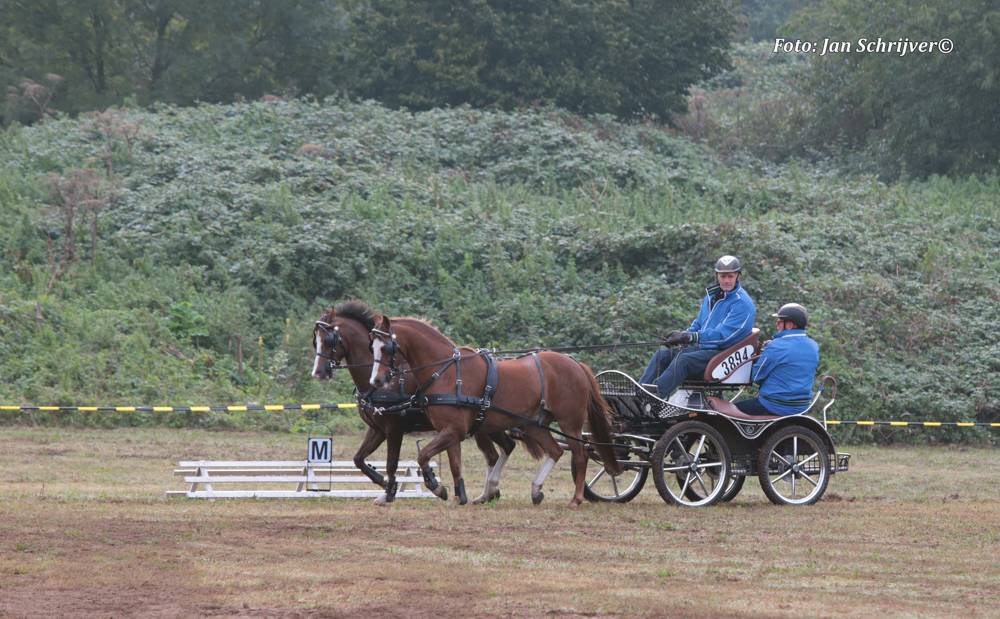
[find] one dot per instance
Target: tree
(178, 51)
(629, 58)
(919, 113)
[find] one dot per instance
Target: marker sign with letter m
(320, 450)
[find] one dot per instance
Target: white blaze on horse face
(377, 359)
(319, 351)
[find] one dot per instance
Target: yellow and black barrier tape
(229, 408)
(243, 408)
(912, 424)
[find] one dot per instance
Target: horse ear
(382, 323)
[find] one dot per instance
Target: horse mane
(354, 310)
(427, 324)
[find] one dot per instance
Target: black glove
(677, 337)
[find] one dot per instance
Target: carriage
(698, 445)
(700, 448)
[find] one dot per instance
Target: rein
(528, 351)
(484, 404)
(581, 348)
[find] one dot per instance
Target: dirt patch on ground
(87, 532)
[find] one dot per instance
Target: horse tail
(598, 416)
(532, 446)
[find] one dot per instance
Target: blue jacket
(727, 322)
(785, 372)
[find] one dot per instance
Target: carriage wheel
(794, 467)
(691, 454)
(603, 487)
(732, 489)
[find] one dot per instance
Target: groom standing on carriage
(726, 316)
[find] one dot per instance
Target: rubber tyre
(600, 488)
(733, 488)
(805, 442)
(661, 458)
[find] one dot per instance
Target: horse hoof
(575, 503)
(537, 498)
(486, 498)
(441, 493)
(381, 500)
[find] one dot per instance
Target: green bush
(232, 227)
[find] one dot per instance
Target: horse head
(341, 334)
(384, 347)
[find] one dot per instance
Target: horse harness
(484, 404)
(370, 402)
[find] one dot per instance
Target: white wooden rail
(276, 480)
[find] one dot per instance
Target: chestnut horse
(342, 334)
(530, 393)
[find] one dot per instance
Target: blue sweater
(785, 372)
(727, 322)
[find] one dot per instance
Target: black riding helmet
(793, 312)
(728, 264)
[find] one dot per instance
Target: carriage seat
(729, 409)
(732, 365)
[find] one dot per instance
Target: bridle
(390, 347)
(331, 339)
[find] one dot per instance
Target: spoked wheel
(794, 467)
(690, 455)
(733, 487)
(602, 487)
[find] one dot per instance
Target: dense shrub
(232, 227)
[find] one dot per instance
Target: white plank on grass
(288, 464)
(290, 479)
(292, 494)
(309, 478)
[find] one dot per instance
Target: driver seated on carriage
(786, 368)
(726, 316)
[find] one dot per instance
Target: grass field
(86, 531)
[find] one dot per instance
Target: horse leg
(455, 462)
(507, 445)
(373, 438)
(439, 443)
(552, 452)
(485, 445)
(579, 469)
(394, 441)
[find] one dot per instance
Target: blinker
(391, 347)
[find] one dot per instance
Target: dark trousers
(753, 406)
(669, 367)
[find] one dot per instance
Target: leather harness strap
(542, 408)
(484, 404)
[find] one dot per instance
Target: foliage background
(184, 186)
(506, 229)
